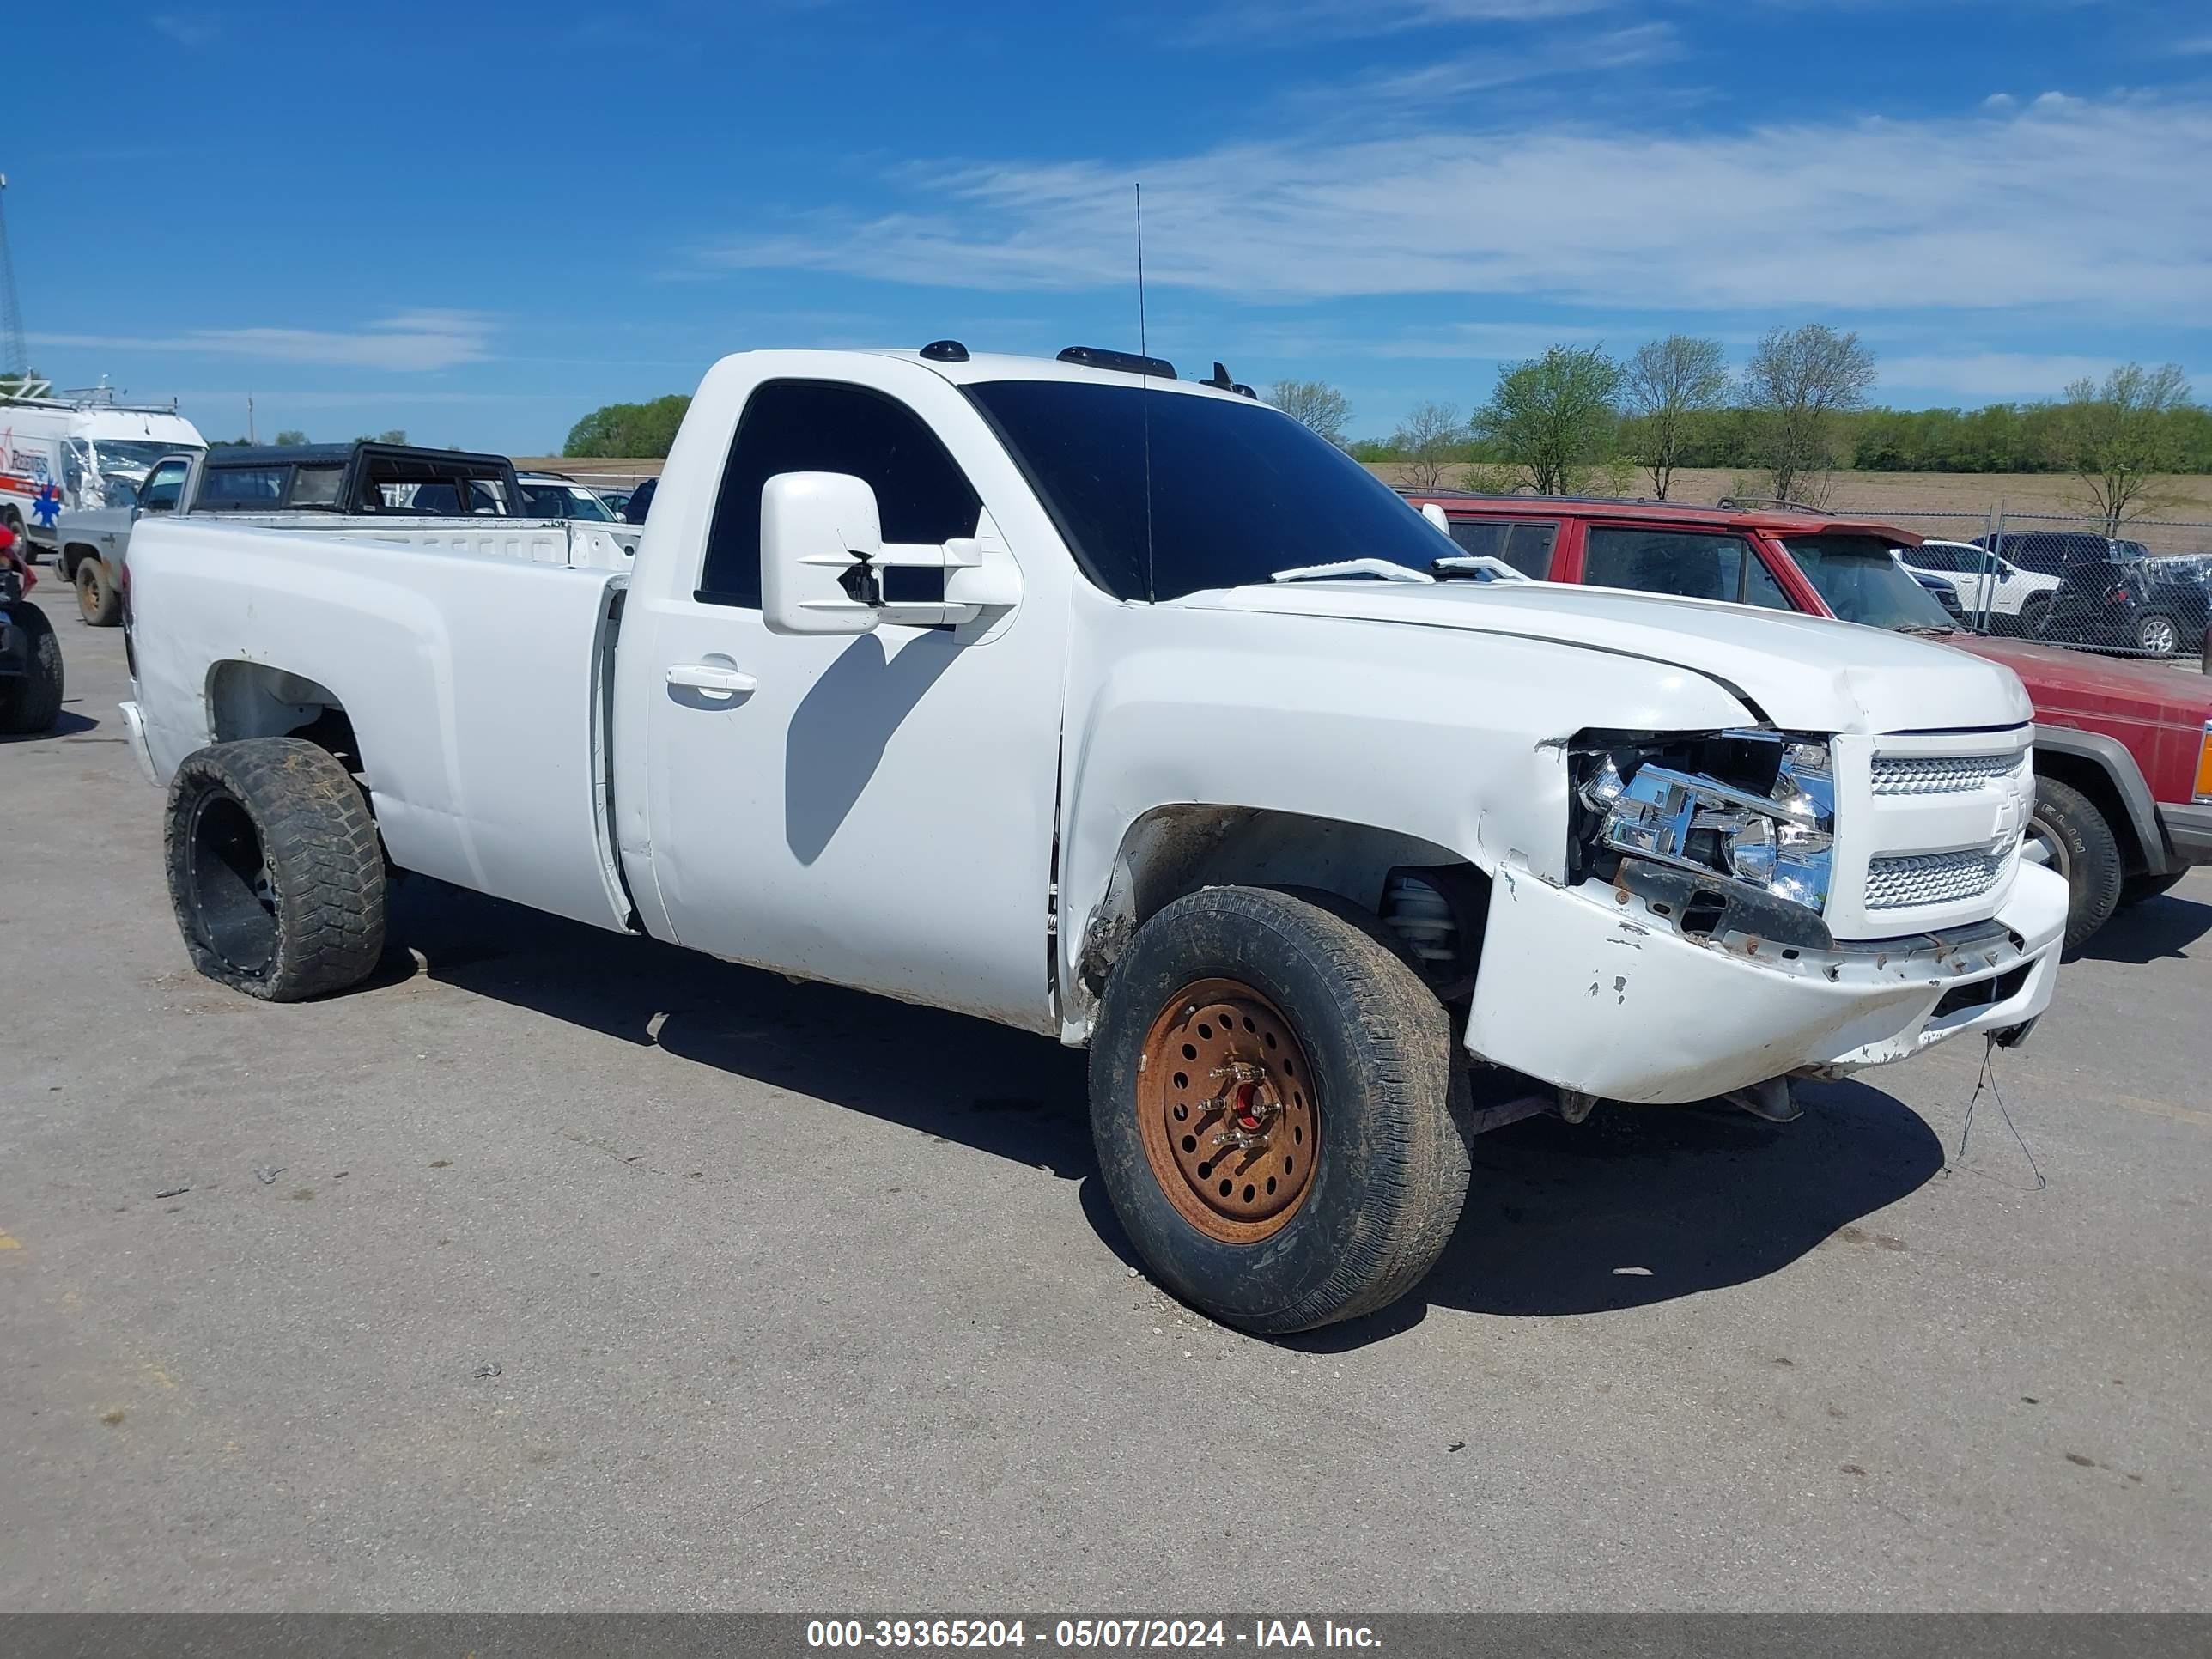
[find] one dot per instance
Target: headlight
(1759, 809)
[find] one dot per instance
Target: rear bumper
(2188, 832)
(134, 722)
(1588, 989)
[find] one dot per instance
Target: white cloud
(1264, 21)
(1999, 102)
(1988, 375)
(409, 342)
(194, 30)
(2105, 206)
(1991, 376)
(1491, 67)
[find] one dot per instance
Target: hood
(1803, 673)
(2064, 682)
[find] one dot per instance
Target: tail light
(2204, 765)
(2117, 596)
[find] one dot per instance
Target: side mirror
(825, 567)
(820, 532)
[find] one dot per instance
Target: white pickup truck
(1124, 709)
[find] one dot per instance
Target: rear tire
(2158, 634)
(97, 601)
(2084, 850)
(275, 873)
(32, 702)
(1368, 1196)
(2035, 612)
(2141, 890)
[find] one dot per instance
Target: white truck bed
(570, 543)
(472, 663)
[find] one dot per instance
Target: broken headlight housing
(1757, 808)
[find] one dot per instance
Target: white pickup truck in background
(1124, 709)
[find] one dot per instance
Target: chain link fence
(2060, 579)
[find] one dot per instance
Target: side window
(1528, 549)
(809, 426)
(242, 488)
(1686, 563)
(165, 486)
(1761, 588)
(1483, 537)
(316, 486)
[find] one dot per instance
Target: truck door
(878, 810)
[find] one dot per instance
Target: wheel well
(1175, 850)
(253, 700)
(2085, 774)
(73, 556)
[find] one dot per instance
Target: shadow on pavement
(67, 724)
(1003, 1091)
(2154, 931)
(1698, 1198)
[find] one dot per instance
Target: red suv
(2122, 750)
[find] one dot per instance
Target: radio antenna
(1144, 393)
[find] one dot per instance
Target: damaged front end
(1753, 811)
(1687, 955)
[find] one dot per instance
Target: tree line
(1577, 419)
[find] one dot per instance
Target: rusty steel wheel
(1226, 1109)
(1270, 1099)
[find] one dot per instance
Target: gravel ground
(559, 1270)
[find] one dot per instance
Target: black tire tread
(2094, 856)
(31, 703)
(1417, 1169)
(321, 843)
(2142, 889)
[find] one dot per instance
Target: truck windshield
(124, 458)
(1238, 491)
(1862, 583)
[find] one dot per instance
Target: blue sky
(476, 222)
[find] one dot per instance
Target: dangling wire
(1989, 1081)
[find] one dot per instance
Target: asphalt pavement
(559, 1270)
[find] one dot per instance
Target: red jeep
(2122, 750)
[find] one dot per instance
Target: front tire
(31, 702)
(97, 601)
(1270, 1099)
(275, 873)
(2075, 841)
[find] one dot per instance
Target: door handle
(706, 676)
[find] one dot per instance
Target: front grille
(1940, 774)
(1931, 878)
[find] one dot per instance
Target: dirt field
(1964, 500)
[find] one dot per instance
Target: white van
(59, 452)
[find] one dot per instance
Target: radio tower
(15, 355)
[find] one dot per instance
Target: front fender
(1453, 738)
